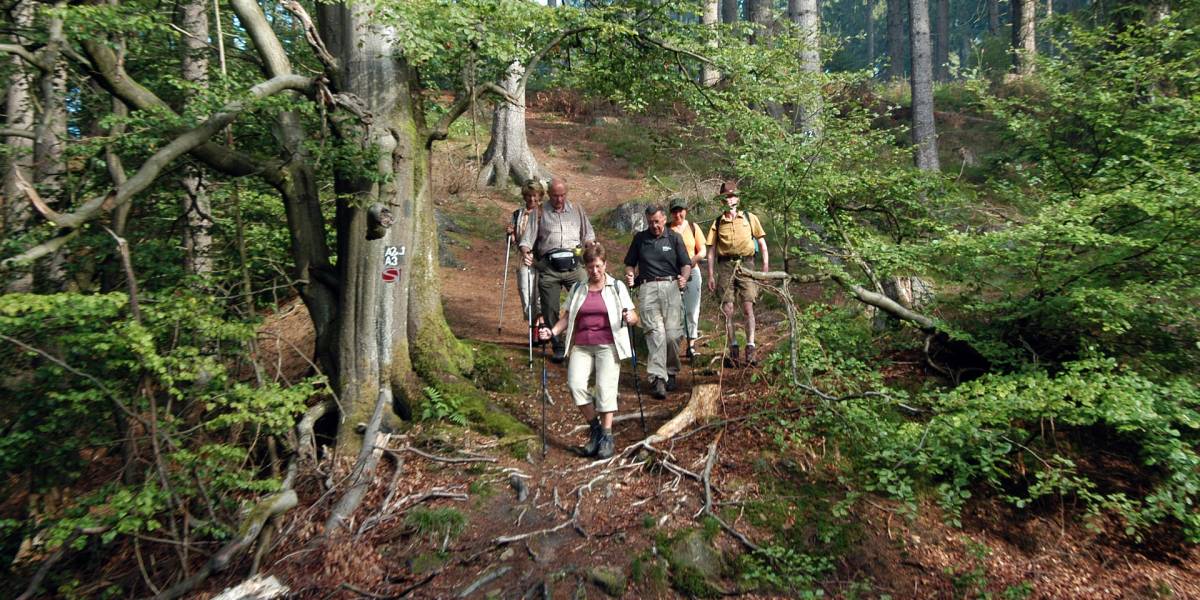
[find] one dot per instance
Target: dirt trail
(576, 516)
(472, 292)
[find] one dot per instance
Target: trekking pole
(529, 274)
(637, 386)
(504, 286)
(545, 397)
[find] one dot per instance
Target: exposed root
(443, 459)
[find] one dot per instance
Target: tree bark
(19, 116)
(941, 49)
(924, 133)
(1024, 44)
(759, 13)
(197, 210)
(993, 16)
(387, 331)
(897, 53)
(871, 35)
(508, 156)
(729, 11)
(709, 76)
(808, 19)
(49, 168)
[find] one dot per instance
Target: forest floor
(633, 526)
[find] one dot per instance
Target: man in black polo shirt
(659, 261)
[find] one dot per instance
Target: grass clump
(436, 524)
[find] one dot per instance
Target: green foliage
(989, 432)
(785, 570)
(135, 421)
(440, 406)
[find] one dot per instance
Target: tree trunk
(508, 156)
(993, 16)
(729, 11)
(197, 211)
(19, 115)
(49, 168)
(387, 331)
(964, 46)
(897, 54)
(808, 19)
(871, 36)
(759, 13)
(924, 133)
(1024, 44)
(709, 76)
(941, 50)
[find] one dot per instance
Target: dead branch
(443, 459)
(127, 264)
(626, 417)
(313, 37)
(482, 581)
(274, 504)
(306, 446)
(708, 502)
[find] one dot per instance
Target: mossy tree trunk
(389, 329)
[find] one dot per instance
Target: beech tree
(1024, 44)
(924, 132)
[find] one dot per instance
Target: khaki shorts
(729, 290)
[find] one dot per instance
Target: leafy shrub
(989, 432)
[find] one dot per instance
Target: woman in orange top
(693, 239)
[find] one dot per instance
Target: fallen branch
(708, 503)
(274, 504)
(626, 417)
(486, 579)
(306, 445)
(443, 459)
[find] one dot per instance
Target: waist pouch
(561, 260)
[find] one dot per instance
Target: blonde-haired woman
(595, 318)
(532, 192)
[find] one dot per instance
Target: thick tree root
(703, 405)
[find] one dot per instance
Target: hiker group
(592, 331)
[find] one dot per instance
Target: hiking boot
(672, 385)
(731, 357)
(605, 447)
(594, 433)
(691, 351)
(659, 388)
(750, 359)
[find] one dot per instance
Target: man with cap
(733, 239)
(551, 245)
(658, 260)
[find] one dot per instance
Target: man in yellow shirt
(733, 240)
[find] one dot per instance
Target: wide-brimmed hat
(729, 187)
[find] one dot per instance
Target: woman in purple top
(594, 319)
